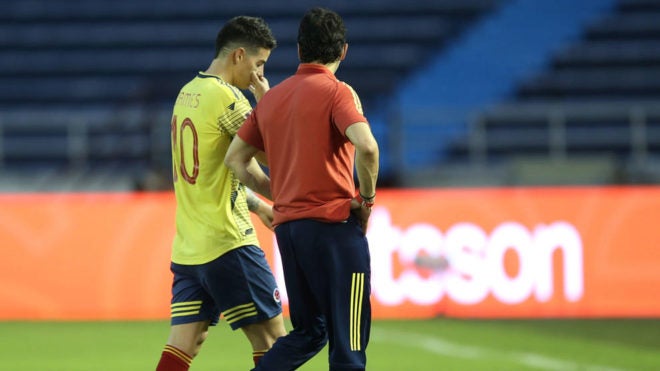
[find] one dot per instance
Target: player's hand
(258, 85)
(362, 213)
(265, 213)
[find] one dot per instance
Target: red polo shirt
(301, 125)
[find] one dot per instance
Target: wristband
(367, 201)
(367, 198)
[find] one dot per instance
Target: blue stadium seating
(87, 61)
(139, 40)
(598, 102)
(89, 84)
(618, 59)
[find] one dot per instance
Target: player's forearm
(255, 179)
(252, 178)
(366, 157)
(366, 165)
(261, 158)
(240, 159)
(252, 200)
(260, 208)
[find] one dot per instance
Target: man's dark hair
(321, 36)
(247, 32)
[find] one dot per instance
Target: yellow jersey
(212, 215)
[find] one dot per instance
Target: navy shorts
(239, 285)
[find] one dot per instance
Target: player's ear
(239, 54)
(298, 45)
(343, 52)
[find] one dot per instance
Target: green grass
(439, 344)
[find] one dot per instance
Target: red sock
(173, 359)
(257, 355)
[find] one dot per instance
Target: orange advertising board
(511, 252)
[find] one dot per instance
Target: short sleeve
(234, 114)
(347, 109)
(250, 133)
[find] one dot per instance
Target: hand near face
(258, 85)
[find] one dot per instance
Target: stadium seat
(592, 112)
(617, 59)
(82, 60)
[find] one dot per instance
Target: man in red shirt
(313, 132)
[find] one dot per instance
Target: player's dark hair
(321, 36)
(243, 31)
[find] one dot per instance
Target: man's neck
(219, 68)
(331, 66)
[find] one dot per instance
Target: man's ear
(239, 54)
(343, 52)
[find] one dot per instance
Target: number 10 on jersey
(181, 150)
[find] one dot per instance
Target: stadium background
(498, 120)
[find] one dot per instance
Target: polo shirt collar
(309, 68)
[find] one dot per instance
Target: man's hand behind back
(361, 212)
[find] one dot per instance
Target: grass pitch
(438, 344)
